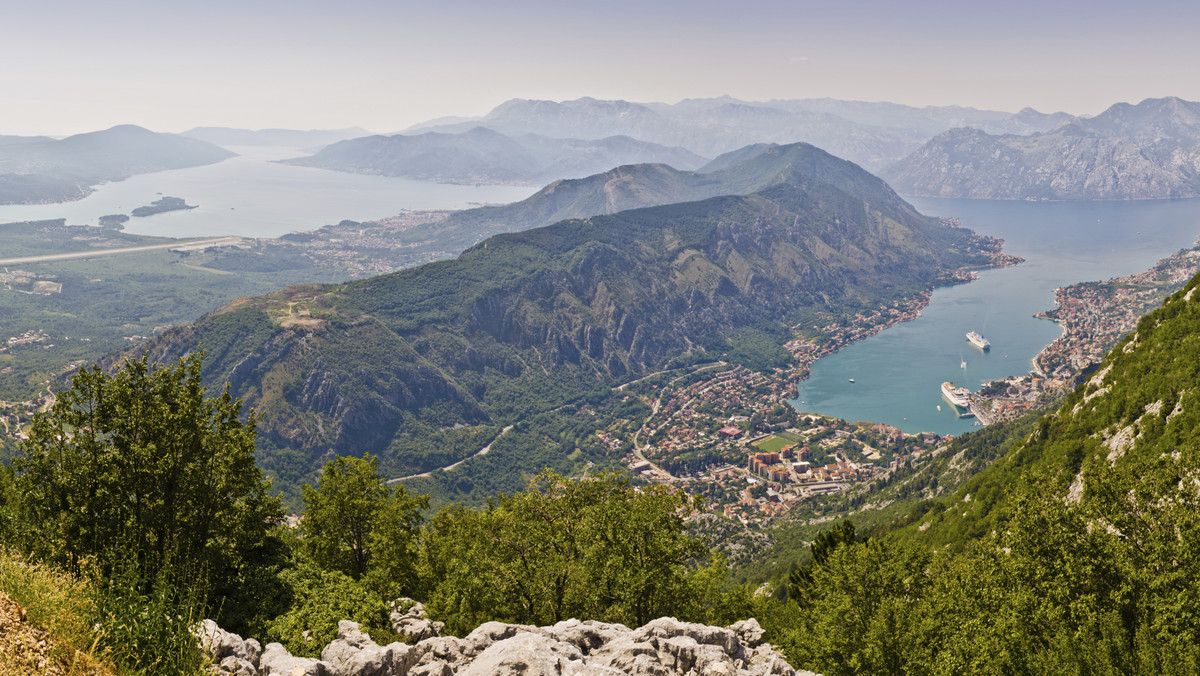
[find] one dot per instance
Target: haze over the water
(70, 66)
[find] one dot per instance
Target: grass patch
(61, 605)
(790, 436)
(772, 444)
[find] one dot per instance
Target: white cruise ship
(955, 395)
(979, 341)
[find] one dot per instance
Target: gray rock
(277, 661)
(235, 666)
(413, 622)
(230, 655)
(749, 632)
(628, 656)
(588, 635)
(662, 647)
(434, 668)
(488, 633)
(766, 661)
(253, 650)
(353, 653)
(668, 627)
(440, 649)
(528, 654)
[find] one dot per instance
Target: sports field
(772, 444)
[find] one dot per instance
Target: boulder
(409, 619)
(447, 650)
(488, 633)
(526, 654)
(277, 661)
(588, 635)
(230, 655)
(353, 653)
(749, 632)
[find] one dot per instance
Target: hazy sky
(68, 66)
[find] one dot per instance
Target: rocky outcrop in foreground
(664, 646)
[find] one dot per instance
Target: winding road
(482, 451)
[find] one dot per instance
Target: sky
(69, 66)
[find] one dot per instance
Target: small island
(113, 221)
(162, 205)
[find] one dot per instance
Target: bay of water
(250, 196)
(898, 372)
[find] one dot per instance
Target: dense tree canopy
(140, 467)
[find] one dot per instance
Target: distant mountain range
(1144, 151)
(291, 138)
(482, 156)
(525, 322)
(635, 186)
(39, 169)
(872, 135)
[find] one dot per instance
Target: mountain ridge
(482, 155)
(871, 134)
(52, 170)
(1146, 151)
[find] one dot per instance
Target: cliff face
(1151, 150)
(524, 322)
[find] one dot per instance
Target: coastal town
(727, 433)
(1094, 316)
(729, 437)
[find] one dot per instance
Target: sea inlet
(897, 373)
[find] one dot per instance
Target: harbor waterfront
(898, 372)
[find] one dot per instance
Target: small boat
(964, 364)
(851, 380)
(939, 407)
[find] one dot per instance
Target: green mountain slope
(645, 185)
(1140, 408)
(427, 362)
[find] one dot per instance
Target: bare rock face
(230, 654)
(277, 661)
(353, 653)
(663, 647)
(526, 654)
(413, 622)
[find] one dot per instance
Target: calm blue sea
(898, 372)
(253, 197)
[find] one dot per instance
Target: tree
(356, 524)
(138, 469)
(800, 580)
(595, 547)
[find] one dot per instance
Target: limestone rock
(277, 661)
(749, 632)
(353, 653)
(588, 635)
(230, 654)
(413, 622)
(662, 647)
(527, 654)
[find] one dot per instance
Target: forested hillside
(425, 365)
